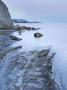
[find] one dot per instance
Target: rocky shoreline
(24, 70)
(17, 27)
(27, 70)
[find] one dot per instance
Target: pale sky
(41, 10)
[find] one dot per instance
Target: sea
(55, 38)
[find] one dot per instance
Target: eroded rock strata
(5, 18)
(27, 71)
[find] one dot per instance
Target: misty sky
(41, 10)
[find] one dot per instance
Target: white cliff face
(5, 17)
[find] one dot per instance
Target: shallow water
(55, 37)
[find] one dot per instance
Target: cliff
(5, 18)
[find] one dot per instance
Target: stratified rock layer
(5, 18)
(27, 71)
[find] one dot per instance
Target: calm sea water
(55, 37)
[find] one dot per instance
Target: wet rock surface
(18, 27)
(30, 70)
(27, 71)
(5, 40)
(15, 38)
(37, 35)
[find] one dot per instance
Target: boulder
(17, 27)
(37, 35)
(33, 28)
(23, 27)
(15, 38)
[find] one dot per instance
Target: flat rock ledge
(15, 38)
(27, 71)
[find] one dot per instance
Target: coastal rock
(9, 49)
(5, 18)
(35, 28)
(18, 27)
(27, 71)
(37, 35)
(15, 38)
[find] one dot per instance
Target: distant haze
(39, 10)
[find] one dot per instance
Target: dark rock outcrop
(5, 18)
(37, 35)
(18, 27)
(15, 38)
